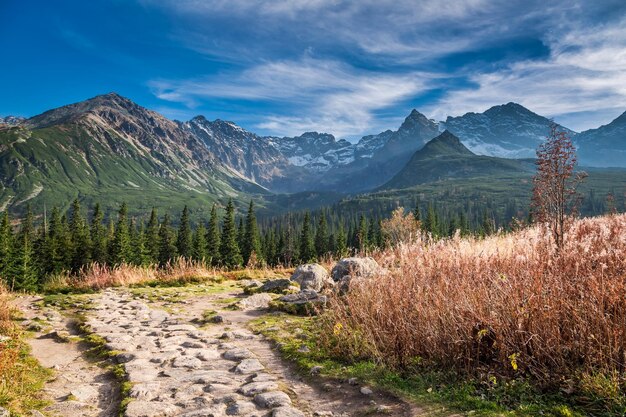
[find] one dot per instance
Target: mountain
(316, 152)
(110, 149)
(11, 120)
(604, 146)
(445, 157)
(508, 131)
(244, 153)
(386, 154)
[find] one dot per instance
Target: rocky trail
(177, 368)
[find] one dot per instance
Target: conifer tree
(307, 249)
(362, 233)
(6, 245)
(139, 253)
(184, 243)
(153, 246)
(229, 250)
(80, 239)
(24, 272)
(98, 236)
(241, 234)
(321, 237)
(251, 241)
(58, 245)
(430, 223)
(417, 214)
(199, 252)
(121, 246)
(341, 249)
(167, 242)
(213, 238)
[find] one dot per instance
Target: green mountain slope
(110, 150)
(445, 157)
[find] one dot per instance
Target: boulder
(256, 301)
(305, 302)
(348, 269)
(312, 276)
(277, 286)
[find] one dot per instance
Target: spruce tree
(80, 239)
(430, 223)
(341, 249)
(362, 233)
(23, 270)
(58, 245)
(121, 246)
(153, 247)
(213, 238)
(241, 234)
(307, 249)
(251, 240)
(167, 242)
(321, 237)
(184, 243)
(229, 249)
(138, 250)
(6, 245)
(199, 252)
(98, 236)
(417, 215)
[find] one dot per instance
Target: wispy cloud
(319, 94)
(363, 58)
(582, 82)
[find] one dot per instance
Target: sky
(350, 68)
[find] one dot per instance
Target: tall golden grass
(507, 305)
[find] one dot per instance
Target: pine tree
(58, 245)
(167, 246)
(241, 234)
(23, 270)
(307, 250)
(488, 226)
(121, 246)
(184, 243)
(321, 237)
(213, 238)
(362, 233)
(80, 239)
(251, 240)
(430, 223)
(153, 246)
(6, 245)
(342, 243)
(417, 214)
(139, 253)
(98, 236)
(229, 249)
(199, 252)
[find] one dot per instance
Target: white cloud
(581, 83)
(321, 95)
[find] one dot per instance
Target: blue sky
(346, 67)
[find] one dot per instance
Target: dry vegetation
(499, 308)
(21, 377)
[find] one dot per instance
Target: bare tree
(555, 198)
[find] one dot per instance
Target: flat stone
(207, 354)
(287, 412)
(140, 408)
(366, 391)
(254, 388)
(187, 362)
(238, 354)
(272, 399)
(256, 301)
(145, 390)
(240, 408)
(248, 366)
(84, 393)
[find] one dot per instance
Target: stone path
(177, 369)
(80, 388)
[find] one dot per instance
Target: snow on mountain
(509, 130)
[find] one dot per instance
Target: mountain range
(109, 147)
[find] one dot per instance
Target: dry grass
(21, 376)
(506, 306)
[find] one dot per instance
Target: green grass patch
(439, 391)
